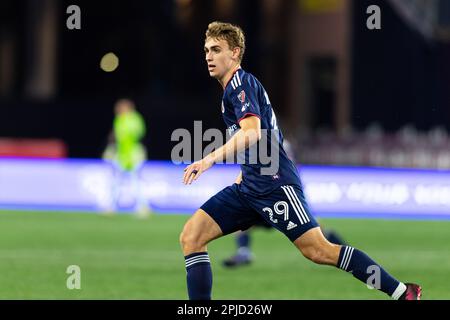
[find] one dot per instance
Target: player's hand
(194, 170)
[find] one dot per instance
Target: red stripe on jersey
(249, 114)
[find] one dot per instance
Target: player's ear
(236, 52)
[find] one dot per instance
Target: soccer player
(257, 194)
(127, 154)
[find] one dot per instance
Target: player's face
(219, 57)
(123, 106)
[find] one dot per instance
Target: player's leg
(314, 246)
(223, 214)
(142, 209)
(318, 249)
(289, 213)
(198, 231)
(333, 236)
(243, 255)
(116, 182)
(139, 157)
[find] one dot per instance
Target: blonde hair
(232, 34)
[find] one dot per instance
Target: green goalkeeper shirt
(129, 129)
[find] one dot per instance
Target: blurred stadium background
(367, 113)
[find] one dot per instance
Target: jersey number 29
(281, 208)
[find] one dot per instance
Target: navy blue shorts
(284, 208)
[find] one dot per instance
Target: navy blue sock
(363, 267)
(333, 237)
(243, 239)
(199, 276)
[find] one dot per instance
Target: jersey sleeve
(243, 98)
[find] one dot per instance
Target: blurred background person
(127, 154)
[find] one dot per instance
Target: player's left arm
(248, 135)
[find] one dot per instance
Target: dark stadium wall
(443, 83)
(162, 68)
(394, 73)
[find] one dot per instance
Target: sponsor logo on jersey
(231, 129)
(244, 106)
(241, 96)
(291, 225)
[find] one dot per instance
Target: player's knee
(182, 238)
(186, 238)
(190, 241)
(186, 241)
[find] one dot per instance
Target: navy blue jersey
(245, 96)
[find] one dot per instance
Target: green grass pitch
(122, 257)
